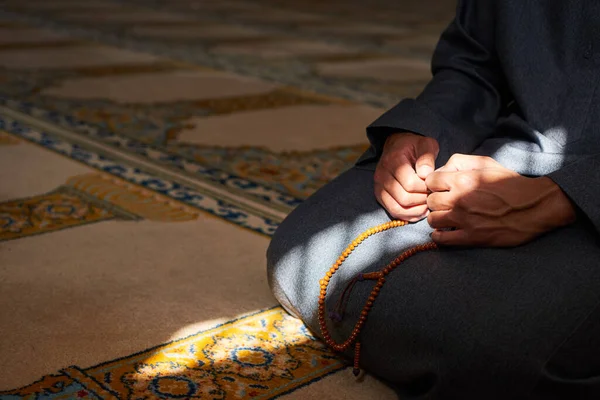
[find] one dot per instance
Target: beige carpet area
(148, 151)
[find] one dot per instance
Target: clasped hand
(471, 200)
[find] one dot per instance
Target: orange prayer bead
(379, 276)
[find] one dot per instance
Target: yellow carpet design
(86, 199)
(46, 213)
(260, 356)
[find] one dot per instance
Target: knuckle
(378, 175)
(403, 198)
(411, 182)
(453, 157)
(431, 200)
(391, 186)
(456, 158)
(465, 181)
(431, 143)
(488, 159)
(435, 201)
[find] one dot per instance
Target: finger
(439, 181)
(441, 201)
(457, 237)
(442, 220)
(425, 165)
(417, 213)
(402, 197)
(427, 152)
(453, 164)
(410, 214)
(407, 177)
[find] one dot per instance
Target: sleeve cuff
(407, 116)
(577, 181)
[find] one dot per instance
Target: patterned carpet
(148, 150)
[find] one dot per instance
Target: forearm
(554, 208)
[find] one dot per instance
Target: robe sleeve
(580, 181)
(460, 105)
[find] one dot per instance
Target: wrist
(556, 208)
(398, 138)
(395, 135)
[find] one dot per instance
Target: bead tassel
(379, 276)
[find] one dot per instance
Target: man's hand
(406, 161)
(475, 201)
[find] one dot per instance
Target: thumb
(426, 158)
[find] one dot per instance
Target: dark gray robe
(515, 74)
(516, 80)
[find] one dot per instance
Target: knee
(279, 269)
(295, 262)
(278, 254)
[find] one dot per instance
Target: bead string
(379, 276)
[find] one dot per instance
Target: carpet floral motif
(87, 199)
(263, 355)
(47, 213)
(296, 173)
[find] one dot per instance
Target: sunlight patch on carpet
(259, 356)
